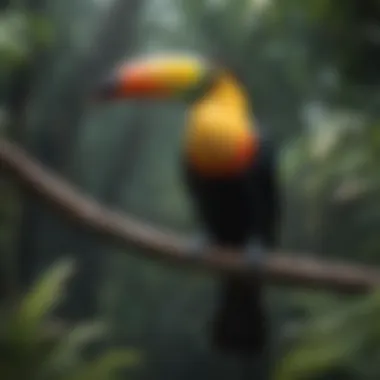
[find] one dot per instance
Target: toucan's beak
(132, 82)
(153, 78)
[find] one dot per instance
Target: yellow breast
(218, 142)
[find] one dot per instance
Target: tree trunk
(42, 235)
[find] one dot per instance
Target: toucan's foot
(255, 252)
(198, 244)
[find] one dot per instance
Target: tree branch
(171, 248)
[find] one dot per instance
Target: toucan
(229, 168)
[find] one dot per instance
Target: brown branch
(170, 248)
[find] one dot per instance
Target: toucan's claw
(255, 252)
(198, 244)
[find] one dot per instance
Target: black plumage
(235, 211)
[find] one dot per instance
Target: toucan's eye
(202, 87)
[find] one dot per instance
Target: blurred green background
(312, 70)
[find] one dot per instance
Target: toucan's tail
(239, 324)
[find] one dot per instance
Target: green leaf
(68, 351)
(311, 359)
(37, 305)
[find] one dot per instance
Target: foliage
(20, 32)
(34, 347)
(336, 337)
